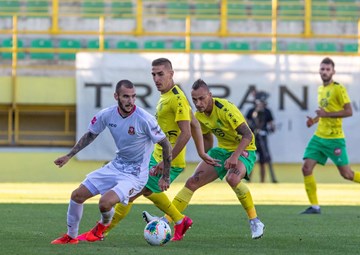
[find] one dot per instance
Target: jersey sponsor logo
(218, 132)
(131, 130)
(93, 120)
(112, 125)
(337, 151)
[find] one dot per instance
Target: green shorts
(153, 182)
(223, 154)
(320, 149)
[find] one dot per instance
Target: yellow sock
(310, 187)
(163, 203)
(356, 177)
(181, 200)
(243, 194)
(121, 211)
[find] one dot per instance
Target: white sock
(107, 216)
(74, 215)
(315, 206)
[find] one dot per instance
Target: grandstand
(48, 34)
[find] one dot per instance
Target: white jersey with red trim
(134, 136)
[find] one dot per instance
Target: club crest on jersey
(93, 120)
(337, 151)
(131, 130)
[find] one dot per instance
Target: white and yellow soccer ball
(157, 232)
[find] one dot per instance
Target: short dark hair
(199, 83)
(126, 83)
(162, 62)
(328, 61)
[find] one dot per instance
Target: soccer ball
(157, 232)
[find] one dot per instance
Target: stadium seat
(180, 45)
(260, 11)
(237, 11)
(41, 44)
(127, 44)
(320, 12)
(351, 47)
(325, 47)
(92, 8)
(37, 8)
(94, 44)
(154, 44)
(298, 46)
(264, 46)
(9, 7)
(177, 10)
(122, 9)
(7, 43)
(347, 12)
(291, 12)
(240, 46)
(211, 45)
(68, 44)
(207, 11)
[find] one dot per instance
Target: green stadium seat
(211, 45)
(127, 44)
(180, 45)
(347, 12)
(298, 46)
(264, 46)
(10, 7)
(207, 11)
(123, 9)
(8, 43)
(237, 11)
(93, 8)
(94, 44)
(291, 12)
(154, 44)
(239, 46)
(42, 44)
(177, 10)
(37, 8)
(351, 47)
(68, 44)
(261, 11)
(320, 12)
(325, 47)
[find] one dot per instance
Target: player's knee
(77, 197)
(232, 181)
(306, 170)
(192, 184)
(105, 205)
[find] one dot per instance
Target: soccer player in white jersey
(134, 131)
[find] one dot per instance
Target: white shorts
(107, 178)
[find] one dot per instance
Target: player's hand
(157, 170)
(164, 183)
(231, 162)
(309, 121)
(209, 160)
(62, 160)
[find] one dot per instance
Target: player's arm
(311, 121)
(84, 141)
(247, 136)
(208, 141)
(345, 112)
(183, 138)
(197, 135)
(164, 181)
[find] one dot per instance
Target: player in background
(328, 140)
(174, 115)
(134, 131)
(236, 152)
(261, 123)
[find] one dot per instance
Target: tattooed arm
(247, 135)
(164, 182)
(84, 141)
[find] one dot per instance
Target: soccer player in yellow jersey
(329, 139)
(236, 152)
(174, 116)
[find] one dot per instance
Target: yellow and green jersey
(331, 98)
(172, 107)
(223, 121)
